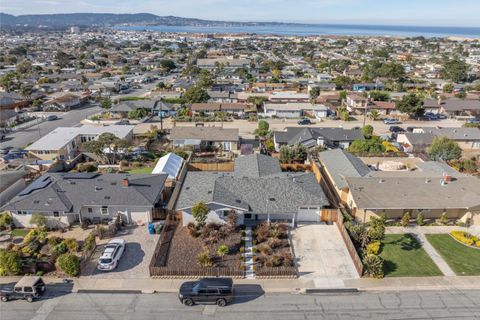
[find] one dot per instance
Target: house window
(56, 214)
(105, 211)
(89, 210)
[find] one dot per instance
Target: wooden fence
(162, 249)
(211, 166)
(276, 273)
(349, 244)
(168, 272)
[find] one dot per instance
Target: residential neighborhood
(139, 161)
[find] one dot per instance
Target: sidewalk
(294, 286)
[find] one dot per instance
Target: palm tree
(374, 114)
(222, 251)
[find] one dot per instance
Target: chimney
(447, 178)
(125, 182)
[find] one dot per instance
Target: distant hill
(109, 19)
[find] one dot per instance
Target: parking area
(321, 253)
(135, 260)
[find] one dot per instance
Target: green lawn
(20, 232)
(463, 260)
(145, 170)
(404, 257)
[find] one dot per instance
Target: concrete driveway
(321, 253)
(135, 260)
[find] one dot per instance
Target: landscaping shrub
(5, 220)
(53, 240)
(38, 234)
(232, 219)
(38, 220)
(277, 260)
(373, 265)
(405, 219)
(60, 248)
(72, 245)
(200, 213)
(263, 232)
(86, 167)
(222, 251)
(443, 219)
(10, 263)
(287, 259)
(192, 229)
(69, 263)
(420, 219)
(373, 247)
(265, 249)
(89, 243)
(204, 259)
(465, 238)
(274, 243)
(377, 228)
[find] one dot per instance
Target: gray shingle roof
(256, 165)
(294, 135)
(341, 164)
(414, 193)
(256, 185)
(204, 133)
(70, 192)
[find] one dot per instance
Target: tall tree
(455, 70)
(444, 149)
(411, 104)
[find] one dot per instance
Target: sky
(377, 12)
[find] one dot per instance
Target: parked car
(123, 122)
(396, 129)
(391, 121)
(28, 288)
(51, 117)
(441, 116)
(111, 255)
(473, 121)
(304, 122)
(431, 116)
(333, 116)
(217, 291)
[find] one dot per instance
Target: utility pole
(366, 110)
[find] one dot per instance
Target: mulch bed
(185, 248)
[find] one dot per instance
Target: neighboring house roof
(414, 193)
(256, 165)
(128, 106)
(7, 178)
(7, 114)
(460, 134)
(69, 192)
(342, 164)
(419, 139)
(169, 164)
(292, 106)
(217, 106)
(61, 136)
(289, 95)
(294, 135)
(461, 104)
(204, 134)
(265, 189)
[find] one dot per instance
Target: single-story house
(65, 143)
(312, 137)
(368, 86)
(211, 108)
(433, 188)
(256, 190)
(11, 183)
(461, 107)
(227, 139)
(123, 108)
(294, 110)
(467, 138)
(415, 142)
(66, 198)
(288, 96)
(63, 102)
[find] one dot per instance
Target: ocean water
(322, 29)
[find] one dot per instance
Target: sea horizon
(312, 29)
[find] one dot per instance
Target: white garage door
(308, 214)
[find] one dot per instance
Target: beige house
(65, 142)
(433, 188)
(198, 137)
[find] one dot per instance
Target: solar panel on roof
(38, 184)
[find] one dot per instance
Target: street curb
(109, 291)
(331, 290)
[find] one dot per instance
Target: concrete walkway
(419, 234)
(248, 254)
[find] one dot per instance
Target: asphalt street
(251, 304)
(22, 138)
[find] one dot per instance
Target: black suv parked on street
(217, 291)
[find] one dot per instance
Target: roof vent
(97, 188)
(381, 181)
(238, 201)
(187, 188)
(271, 199)
(209, 191)
(107, 197)
(113, 183)
(427, 180)
(36, 201)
